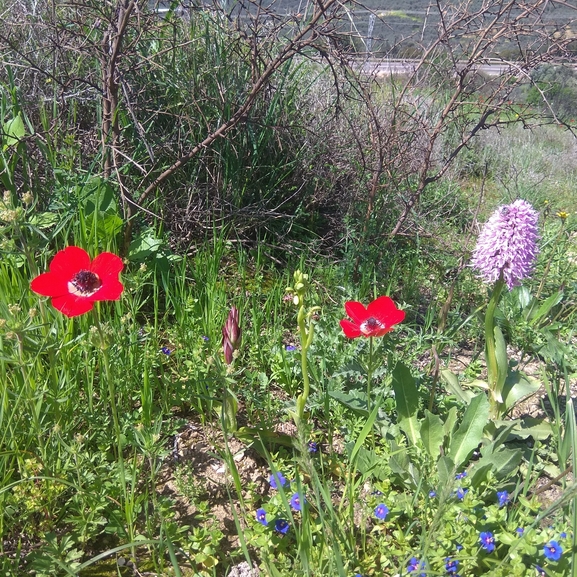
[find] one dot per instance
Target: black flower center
(84, 283)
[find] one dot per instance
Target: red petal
(350, 329)
(71, 305)
(356, 311)
(50, 285)
(107, 265)
(66, 263)
(110, 290)
(385, 310)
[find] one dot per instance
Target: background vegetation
(218, 150)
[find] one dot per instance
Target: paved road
(390, 67)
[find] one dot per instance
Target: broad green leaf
(407, 401)
(13, 131)
(357, 402)
(523, 296)
(480, 473)
(453, 386)
(446, 469)
(518, 386)
(503, 462)
(469, 434)
(547, 305)
(432, 433)
(143, 247)
(406, 395)
(450, 422)
(539, 429)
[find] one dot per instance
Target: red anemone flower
(374, 321)
(75, 283)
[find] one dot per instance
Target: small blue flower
(553, 551)
(261, 517)
(277, 480)
(381, 512)
(297, 502)
(503, 497)
(563, 535)
(520, 531)
(358, 575)
(313, 447)
(416, 565)
(458, 546)
(451, 565)
(205, 338)
(165, 350)
(460, 476)
(281, 526)
(290, 348)
(540, 571)
(460, 493)
(432, 494)
(487, 541)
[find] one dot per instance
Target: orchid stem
(490, 349)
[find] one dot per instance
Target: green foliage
(555, 90)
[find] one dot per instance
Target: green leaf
(365, 431)
(547, 305)
(406, 395)
(367, 462)
(518, 386)
(470, 433)
(407, 401)
(446, 469)
(453, 386)
(44, 220)
(503, 462)
(356, 401)
(539, 429)
(143, 247)
(450, 422)
(432, 433)
(13, 131)
(229, 412)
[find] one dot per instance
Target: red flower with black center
(375, 320)
(75, 283)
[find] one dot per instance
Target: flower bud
(231, 335)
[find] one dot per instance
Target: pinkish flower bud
(231, 335)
